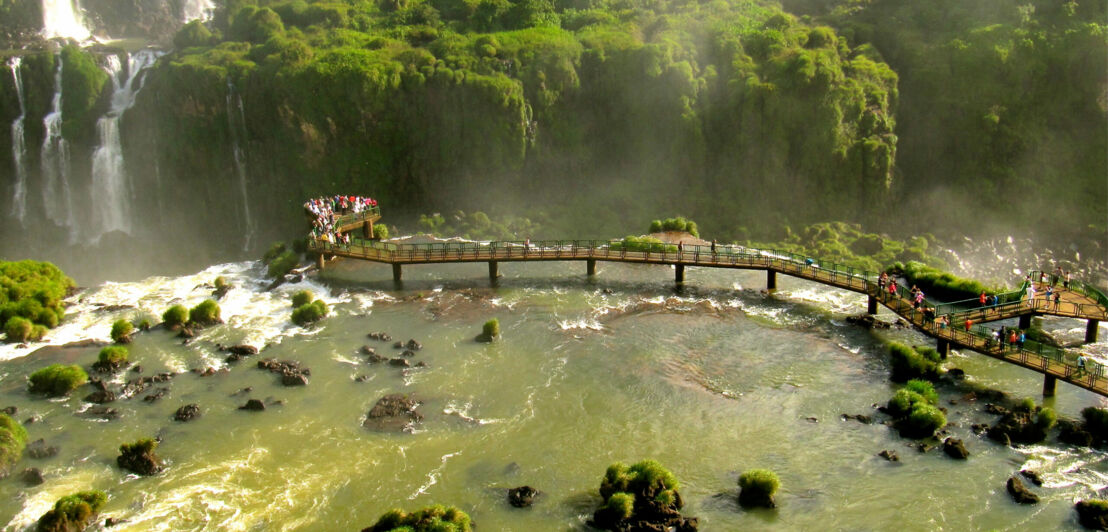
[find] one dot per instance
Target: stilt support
(1025, 321)
(367, 230)
(590, 267)
(943, 347)
(396, 273)
(871, 305)
(494, 270)
(680, 274)
(771, 280)
(1049, 383)
(1090, 331)
(319, 261)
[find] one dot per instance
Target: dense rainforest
(943, 117)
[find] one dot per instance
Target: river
(712, 380)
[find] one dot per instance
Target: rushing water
(236, 122)
(197, 10)
(54, 157)
(62, 19)
(111, 192)
(19, 147)
(711, 381)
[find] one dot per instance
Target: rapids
(711, 380)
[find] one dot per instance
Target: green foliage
(140, 446)
(847, 245)
(13, 439)
(205, 313)
(34, 291)
(175, 316)
(435, 518)
(1046, 418)
(922, 422)
(642, 244)
(478, 226)
(275, 250)
(121, 331)
(644, 475)
(309, 313)
(620, 504)
(283, 264)
(675, 224)
(908, 363)
(20, 329)
(193, 34)
(1026, 404)
(762, 483)
(72, 512)
(491, 328)
(220, 283)
(924, 388)
(380, 231)
(83, 81)
(940, 284)
(301, 298)
(655, 226)
(903, 402)
(113, 356)
(1096, 422)
(56, 379)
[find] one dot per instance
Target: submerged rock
(254, 405)
(954, 448)
(868, 321)
(382, 336)
(100, 397)
(31, 476)
(140, 458)
(39, 450)
(1033, 476)
(1092, 514)
(188, 412)
(377, 359)
(243, 350)
(413, 345)
(393, 412)
(1020, 493)
(522, 496)
(400, 362)
(889, 455)
(292, 373)
(367, 350)
(860, 418)
(100, 412)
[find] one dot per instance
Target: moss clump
(13, 439)
(644, 494)
(757, 488)
(33, 291)
(1096, 422)
(847, 245)
(913, 410)
(283, 264)
(1046, 418)
(112, 358)
(220, 283)
(435, 518)
(21, 329)
(924, 388)
(205, 313)
(908, 363)
(175, 316)
(310, 313)
(922, 422)
(275, 250)
(935, 282)
(642, 244)
(121, 331)
(73, 512)
(380, 231)
(489, 331)
(139, 457)
(302, 298)
(56, 379)
(675, 224)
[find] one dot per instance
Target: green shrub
(56, 379)
(140, 446)
(655, 226)
(924, 420)
(143, 324)
(924, 388)
(620, 505)
(301, 298)
(907, 363)
(113, 356)
(1096, 421)
(13, 439)
(1027, 404)
(20, 329)
(757, 487)
(34, 291)
(309, 313)
(903, 401)
(275, 250)
(121, 331)
(491, 328)
(380, 231)
(435, 518)
(73, 512)
(642, 244)
(283, 264)
(939, 284)
(1046, 418)
(205, 313)
(175, 316)
(220, 283)
(638, 478)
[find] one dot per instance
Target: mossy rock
(757, 488)
(73, 512)
(310, 313)
(13, 439)
(112, 358)
(139, 457)
(433, 518)
(122, 331)
(489, 331)
(176, 316)
(205, 313)
(57, 379)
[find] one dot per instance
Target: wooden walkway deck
(1052, 362)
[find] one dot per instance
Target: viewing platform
(1080, 301)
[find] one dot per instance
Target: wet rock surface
(291, 372)
(39, 450)
(522, 496)
(187, 412)
(1020, 493)
(955, 448)
(254, 405)
(393, 412)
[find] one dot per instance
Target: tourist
(1022, 339)
(983, 298)
(1049, 293)
(968, 325)
(1080, 364)
(1066, 283)
(713, 246)
(1031, 295)
(918, 299)
(1054, 276)
(1057, 300)
(1013, 339)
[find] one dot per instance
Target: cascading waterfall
(57, 203)
(62, 18)
(236, 118)
(111, 193)
(19, 149)
(197, 10)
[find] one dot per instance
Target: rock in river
(393, 412)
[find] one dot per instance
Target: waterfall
(62, 18)
(236, 119)
(19, 149)
(57, 204)
(197, 10)
(111, 193)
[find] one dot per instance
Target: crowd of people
(324, 212)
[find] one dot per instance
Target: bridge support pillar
(367, 230)
(943, 347)
(590, 267)
(679, 275)
(494, 270)
(871, 305)
(1025, 321)
(1049, 383)
(319, 260)
(771, 280)
(1090, 331)
(396, 277)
